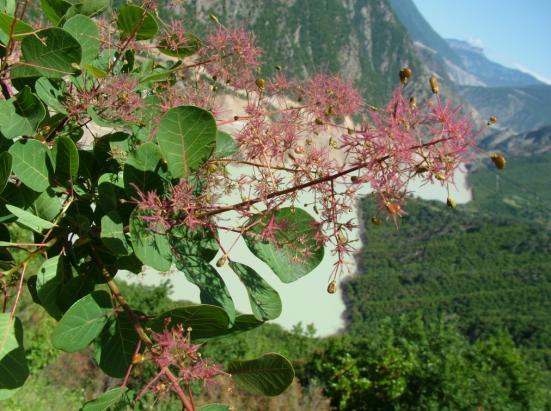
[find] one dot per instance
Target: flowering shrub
(115, 152)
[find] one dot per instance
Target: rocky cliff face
(360, 39)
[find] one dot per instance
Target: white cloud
(538, 76)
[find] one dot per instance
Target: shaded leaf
(134, 21)
(51, 276)
(265, 301)
(5, 169)
(65, 158)
(290, 248)
(270, 374)
(206, 321)
(112, 234)
(50, 94)
(225, 145)
(13, 364)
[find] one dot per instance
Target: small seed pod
(332, 142)
(354, 179)
(341, 238)
(492, 120)
(292, 209)
(499, 161)
(299, 149)
(236, 118)
(375, 221)
(308, 141)
(212, 168)
(451, 202)
(332, 287)
(434, 85)
(318, 121)
(222, 260)
(214, 18)
(278, 67)
(261, 84)
(393, 208)
(137, 359)
(421, 169)
(405, 75)
(440, 176)
(412, 102)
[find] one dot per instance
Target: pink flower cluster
(173, 348)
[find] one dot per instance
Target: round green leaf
(13, 364)
(19, 30)
(151, 248)
(29, 164)
(47, 205)
(286, 241)
(265, 301)
(51, 276)
(65, 158)
(85, 31)
(55, 9)
(117, 346)
(83, 322)
(186, 137)
(270, 374)
(135, 22)
(21, 115)
(106, 400)
(52, 52)
(206, 321)
(5, 169)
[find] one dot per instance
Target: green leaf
(5, 169)
(13, 364)
(140, 170)
(110, 189)
(29, 164)
(225, 145)
(160, 74)
(151, 248)
(212, 286)
(51, 276)
(47, 205)
(292, 251)
(52, 53)
(83, 322)
(265, 301)
(29, 220)
(49, 94)
(186, 137)
(135, 22)
(193, 45)
(206, 321)
(199, 242)
(214, 407)
(106, 400)
(85, 31)
(28, 106)
(20, 29)
(88, 7)
(112, 234)
(270, 374)
(55, 9)
(117, 345)
(65, 158)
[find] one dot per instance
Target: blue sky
(515, 33)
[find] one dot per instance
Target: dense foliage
(115, 155)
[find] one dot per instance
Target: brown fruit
(499, 161)
(332, 287)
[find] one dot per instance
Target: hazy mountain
(512, 143)
(518, 108)
(487, 72)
